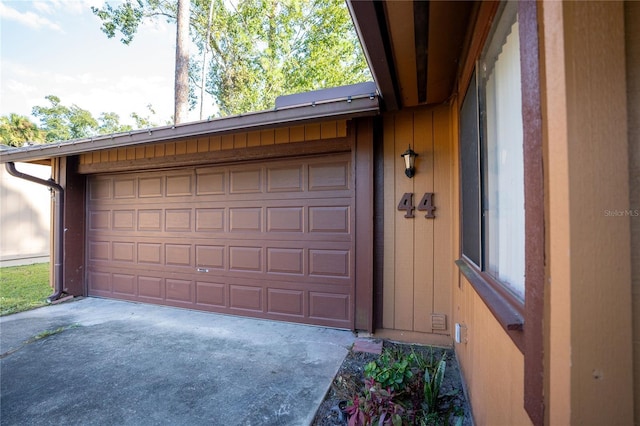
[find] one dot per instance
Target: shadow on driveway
(106, 362)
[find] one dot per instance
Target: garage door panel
(99, 220)
(179, 185)
(151, 289)
(285, 219)
(210, 182)
(149, 253)
(329, 176)
(124, 284)
(99, 250)
(245, 181)
(150, 187)
(124, 188)
(100, 282)
(179, 290)
(245, 219)
(330, 219)
(336, 263)
(246, 298)
(178, 254)
(271, 240)
(210, 219)
(210, 256)
(100, 189)
(123, 251)
(329, 306)
(150, 220)
(211, 294)
(285, 179)
(244, 259)
(307, 257)
(177, 220)
(285, 261)
(124, 220)
(286, 302)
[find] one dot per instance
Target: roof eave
(334, 109)
(368, 20)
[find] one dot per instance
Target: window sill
(506, 312)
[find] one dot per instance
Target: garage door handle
(202, 270)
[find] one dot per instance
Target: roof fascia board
(371, 27)
(346, 108)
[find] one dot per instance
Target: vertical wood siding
(632, 28)
(418, 252)
(317, 131)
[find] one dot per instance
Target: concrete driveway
(106, 362)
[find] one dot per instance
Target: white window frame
(502, 163)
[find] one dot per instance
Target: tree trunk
(182, 63)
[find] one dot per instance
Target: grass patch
(23, 287)
(47, 333)
(39, 336)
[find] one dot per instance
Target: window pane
(470, 175)
(503, 150)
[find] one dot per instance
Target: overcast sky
(56, 47)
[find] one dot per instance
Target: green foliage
(23, 287)
(48, 333)
(109, 122)
(392, 370)
(263, 49)
(16, 130)
(404, 387)
(145, 121)
(61, 123)
(433, 377)
(124, 18)
(257, 49)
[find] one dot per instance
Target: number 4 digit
(426, 204)
(406, 204)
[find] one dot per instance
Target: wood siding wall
(492, 365)
(206, 144)
(418, 252)
(632, 28)
(588, 322)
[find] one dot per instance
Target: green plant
(392, 370)
(433, 378)
(378, 406)
(405, 387)
(47, 333)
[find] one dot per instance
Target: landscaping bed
(390, 389)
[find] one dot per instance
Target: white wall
(25, 211)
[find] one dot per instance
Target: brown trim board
(74, 222)
(534, 212)
(364, 224)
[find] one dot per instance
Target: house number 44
(426, 204)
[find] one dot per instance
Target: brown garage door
(272, 240)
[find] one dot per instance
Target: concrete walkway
(106, 362)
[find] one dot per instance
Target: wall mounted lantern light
(409, 162)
